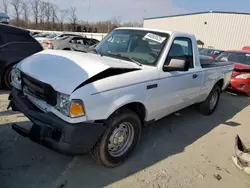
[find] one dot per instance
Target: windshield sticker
(154, 37)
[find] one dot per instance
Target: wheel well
(220, 83)
(138, 108)
(2, 83)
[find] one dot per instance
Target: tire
(103, 151)
(7, 78)
(206, 107)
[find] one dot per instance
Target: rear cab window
(181, 48)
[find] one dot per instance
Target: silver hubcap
(213, 100)
(121, 139)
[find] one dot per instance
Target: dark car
(15, 45)
(211, 52)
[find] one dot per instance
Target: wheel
(7, 77)
(120, 139)
(208, 106)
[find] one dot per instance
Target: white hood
(65, 70)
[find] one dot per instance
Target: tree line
(45, 15)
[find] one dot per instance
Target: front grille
(39, 89)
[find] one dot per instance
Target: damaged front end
(241, 159)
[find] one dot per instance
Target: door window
(181, 48)
(77, 40)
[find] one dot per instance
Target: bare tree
(25, 8)
(42, 8)
(5, 5)
(47, 13)
(35, 9)
(63, 15)
(54, 18)
(73, 17)
(17, 9)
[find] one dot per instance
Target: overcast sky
(136, 10)
(126, 10)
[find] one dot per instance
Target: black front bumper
(53, 132)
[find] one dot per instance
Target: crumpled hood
(65, 70)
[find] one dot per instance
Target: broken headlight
(16, 78)
(63, 103)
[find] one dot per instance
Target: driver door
(177, 89)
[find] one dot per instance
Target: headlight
(16, 78)
(73, 108)
(243, 76)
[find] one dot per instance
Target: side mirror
(176, 64)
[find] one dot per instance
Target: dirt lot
(182, 150)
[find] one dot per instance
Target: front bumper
(241, 85)
(53, 132)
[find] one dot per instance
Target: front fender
(123, 101)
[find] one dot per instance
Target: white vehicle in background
(99, 102)
(47, 43)
(51, 36)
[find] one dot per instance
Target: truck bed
(215, 64)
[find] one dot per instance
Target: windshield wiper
(126, 57)
(94, 50)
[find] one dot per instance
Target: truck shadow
(163, 139)
(4, 91)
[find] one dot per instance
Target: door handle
(195, 76)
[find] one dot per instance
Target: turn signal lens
(76, 109)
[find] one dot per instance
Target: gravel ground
(182, 150)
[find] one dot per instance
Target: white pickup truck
(99, 101)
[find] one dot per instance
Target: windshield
(41, 35)
(238, 57)
(52, 36)
(142, 46)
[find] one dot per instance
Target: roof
(4, 15)
(195, 13)
(12, 29)
(170, 32)
(238, 51)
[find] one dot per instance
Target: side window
(181, 48)
(89, 42)
(77, 40)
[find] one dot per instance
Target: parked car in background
(246, 48)
(47, 43)
(4, 18)
(41, 35)
(206, 60)
(211, 52)
(86, 49)
(15, 45)
(47, 37)
(81, 102)
(68, 42)
(241, 75)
